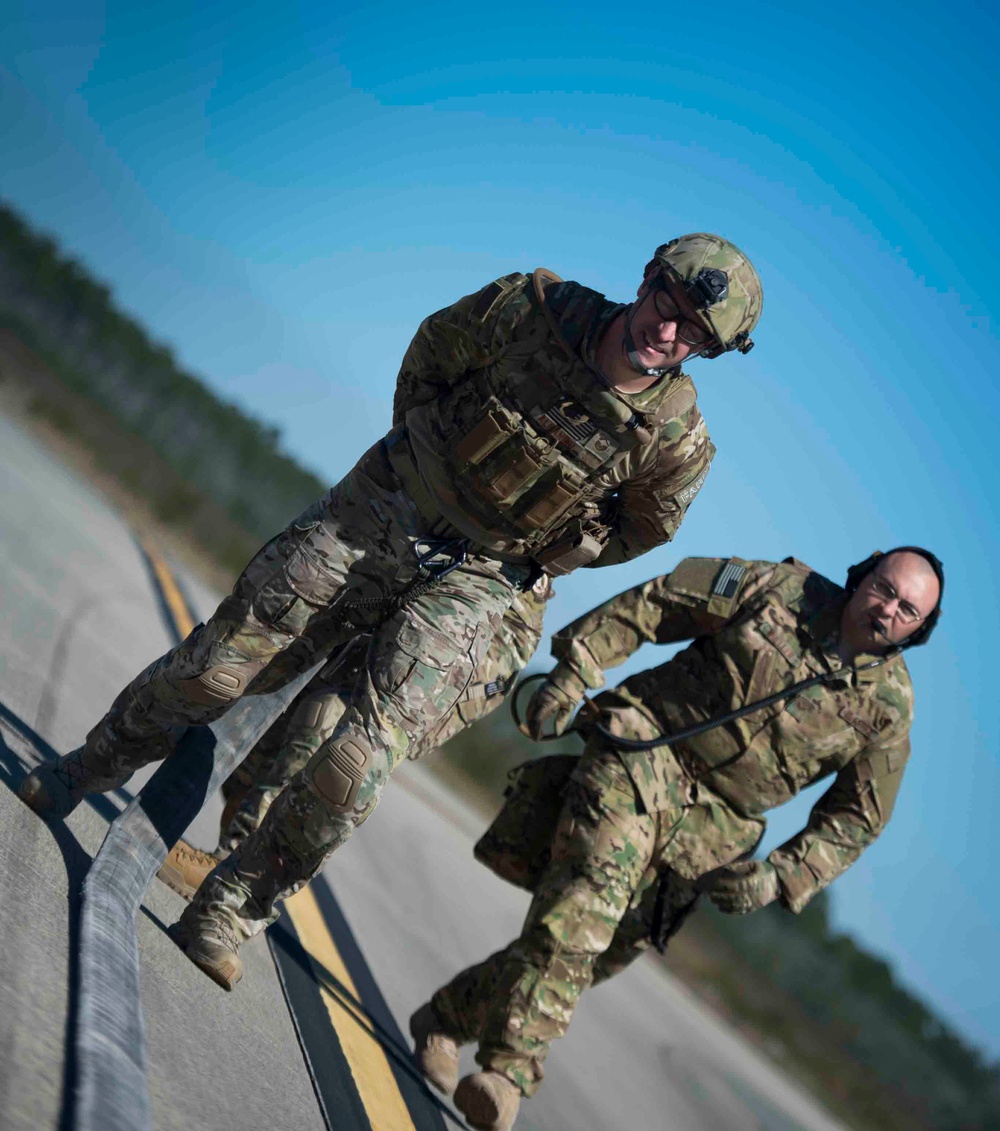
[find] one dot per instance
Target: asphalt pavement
(405, 906)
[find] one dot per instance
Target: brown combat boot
(488, 1100)
(212, 945)
(435, 1052)
(185, 867)
(54, 789)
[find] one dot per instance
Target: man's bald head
(891, 603)
(919, 577)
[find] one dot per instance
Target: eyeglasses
(907, 613)
(690, 332)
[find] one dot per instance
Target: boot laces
(436, 1041)
(71, 770)
(184, 851)
(227, 932)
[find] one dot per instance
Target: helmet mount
(709, 286)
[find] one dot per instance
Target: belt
(522, 574)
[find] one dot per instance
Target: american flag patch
(729, 579)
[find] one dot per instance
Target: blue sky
(283, 193)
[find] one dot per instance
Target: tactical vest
(762, 760)
(514, 455)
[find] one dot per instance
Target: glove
(746, 886)
(556, 700)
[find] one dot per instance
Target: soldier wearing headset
(797, 678)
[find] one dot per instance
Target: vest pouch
(492, 429)
(547, 500)
(569, 554)
(510, 472)
(517, 845)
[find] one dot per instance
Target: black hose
(690, 732)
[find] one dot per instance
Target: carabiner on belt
(437, 557)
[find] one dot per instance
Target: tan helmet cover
(731, 306)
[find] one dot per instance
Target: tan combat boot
(435, 1052)
(488, 1100)
(185, 867)
(212, 944)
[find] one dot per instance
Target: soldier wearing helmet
(537, 428)
(708, 289)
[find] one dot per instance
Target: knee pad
(218, 685)
(320, 712)
(339, 770)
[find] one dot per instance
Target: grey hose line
(112, 1092)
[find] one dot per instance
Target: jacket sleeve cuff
(567, 676)
(575, 659)
(797, 883)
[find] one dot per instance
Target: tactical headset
(857, 573)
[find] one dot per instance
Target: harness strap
(397, 448)
(541, 277)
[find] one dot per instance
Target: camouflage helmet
(720, 282)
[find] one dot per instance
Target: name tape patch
(686, 494)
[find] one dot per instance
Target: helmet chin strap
(631, 352)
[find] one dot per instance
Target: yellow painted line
(171, 594)
(373, 1076)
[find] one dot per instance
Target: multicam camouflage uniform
(698, 804)
(312, 717)
(506, 436)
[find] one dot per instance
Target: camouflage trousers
(310, 720)
(592, 911)
(318, 583)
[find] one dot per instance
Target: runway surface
(406, 907)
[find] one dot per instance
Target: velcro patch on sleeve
(727, 584)
(694, 577)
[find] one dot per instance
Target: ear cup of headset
(857, 573)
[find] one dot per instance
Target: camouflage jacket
(522, 363)
(757, 627)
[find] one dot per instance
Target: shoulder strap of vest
(679, 399)
(571, 306)
(541, 278)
